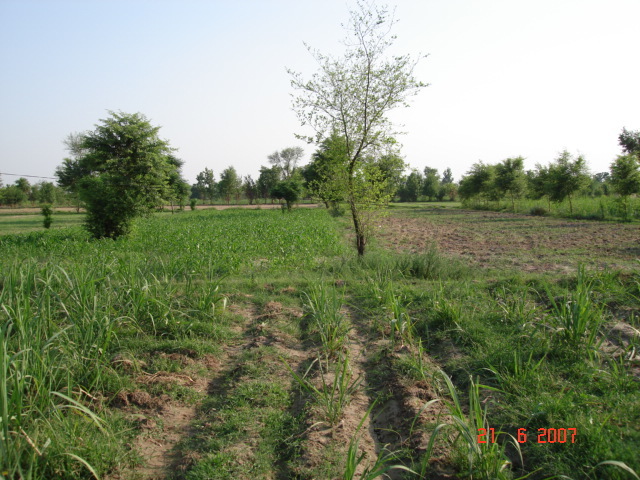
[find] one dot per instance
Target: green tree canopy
(625, 175)
(479, 182)
(566, 177)
(325, 175)
(510, 178)
(411, 187)
(230, 184)
(629, 140)
(267, 180)
(206, 185)
(431, 184)
(124, 172)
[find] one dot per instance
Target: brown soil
(524, 242)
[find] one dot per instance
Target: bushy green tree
(267, 180)
(125, 172)
(412, 187)
(288, 190)
(629, 140)
(12, 195)
(352, 95)
(538, 184)
(431, 183)
(325, 175)
(510, 179)
(567, 176)
(47, 193)
(392, 167)
(479, 182)
(206, 185)
(625, 178)
(230, 184)
(250, 189)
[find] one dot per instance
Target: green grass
(69, 305)
(10, 224)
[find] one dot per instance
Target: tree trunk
(361, 239)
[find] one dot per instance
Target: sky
(506, 78)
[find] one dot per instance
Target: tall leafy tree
(324, 176)
(629, 140)
(287, 159)
(24, 186)
(625, 177)
(267, 180)
(431, 184)
(411, 189)
(447, 176)
(126, 172)
(479, 182)
(538, 183)
(47, 193)
(288, 190)
(250, 189)
(392, 167)
(510, 178)
(567, 176)
(352, 95)
(230, 184)
(206, 184)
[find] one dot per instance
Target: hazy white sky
(507, 77)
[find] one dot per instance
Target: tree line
(563, 179)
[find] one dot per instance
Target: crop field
(252, 344)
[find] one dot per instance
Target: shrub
(47, 212)
(538, 211)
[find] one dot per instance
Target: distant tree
(47, 193)
(24, 186)
(625, 175)
(538, 184)
(13, 195)
(288, 190)
(629, 140)
(447, 176)
(127, 170)
(230, 184)
(267, 180)
(567, 177)
(287, 159)
(412, 187)
(510, 179)
(392, 167)
(625, 178)
(206, 185)
(600, 184)
(450, 190)
(431, 184)
(479, 182)
(250, 189)
(352, 95)
(324, 175)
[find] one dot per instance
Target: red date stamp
(543, 435)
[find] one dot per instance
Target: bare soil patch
(506, 240)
